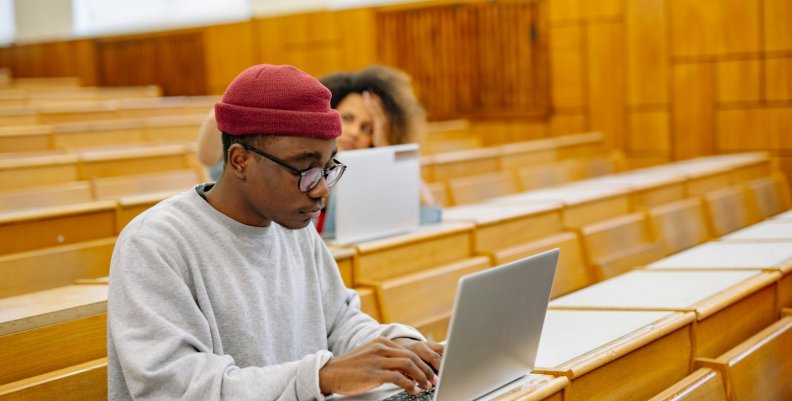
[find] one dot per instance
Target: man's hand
(382, 361)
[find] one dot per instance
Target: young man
(227, 292)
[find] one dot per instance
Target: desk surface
(662, 290)
(771, 230)
(24, 312)
(569, 195)
(491, 213)
(731, 255)
(579, 341)
(784, 216)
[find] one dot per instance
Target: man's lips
(312, 213)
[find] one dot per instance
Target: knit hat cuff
(241, 120)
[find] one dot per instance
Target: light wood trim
(734, 294)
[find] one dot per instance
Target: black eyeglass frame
(303, 173)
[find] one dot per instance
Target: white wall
(43, 20)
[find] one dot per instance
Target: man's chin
(294, 225)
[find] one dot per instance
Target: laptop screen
(379, 193)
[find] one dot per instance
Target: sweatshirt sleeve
(347, 327)
(164, 343)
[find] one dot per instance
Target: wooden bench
(506, 233)
(441, 252)
(477, 188)
(770, 194)
(616, 355)
(26, 138)
(40, 228)
(517, 155)
(84, 381)
(139, 184)
(742, 255)
(546, 175)
(579, 145)
(464, 163)
(760, 368)
(56, 266)
(172, 128)
(46, 196)
(582, 204)
(680, 224)
(620, 244)
(89, 134)
(18, 115)
(647, 189)
(77, 111)
(729, 209)
(730, 305)
(702, 385)
(149, 159)
(439, 191)
(706, 178)
(50, 169)
(49, 330)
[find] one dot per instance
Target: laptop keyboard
(425, 395)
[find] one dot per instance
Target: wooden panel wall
(486, 59)
(75, 58)
(174, 61)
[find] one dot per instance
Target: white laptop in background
(493, 337)
(379, 193)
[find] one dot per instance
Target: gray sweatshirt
(202, 307)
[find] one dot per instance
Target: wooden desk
(26, 138)
(647, 189)
(502, 226)
(50, 169)
(427, 247)
(582, 204)
(53, 329)
(616, 355)
(730, 305)
(51, 267)
(769, 230)
(517, 155)
(46, 227)
(465, 163)
(743, 255)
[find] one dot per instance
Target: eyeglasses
(308, 177)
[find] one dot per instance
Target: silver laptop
(494, 333)
(379, 195)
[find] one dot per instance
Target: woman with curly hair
(378, 108)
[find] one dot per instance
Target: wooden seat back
(680, 224)
(620, 244)
(771, 194)
(760, 368)
(702, 385)
(474, 189)
(730, 209)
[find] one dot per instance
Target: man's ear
(239, 160)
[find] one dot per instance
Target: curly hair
(406, 116)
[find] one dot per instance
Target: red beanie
(277, 100)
